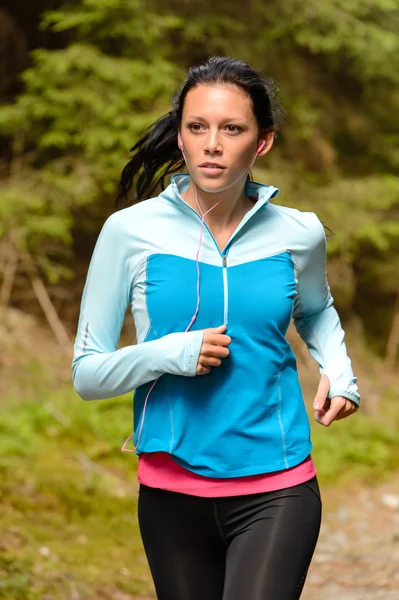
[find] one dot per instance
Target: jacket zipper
(224, 258)
(225, 291)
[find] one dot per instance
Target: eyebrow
(225, 120)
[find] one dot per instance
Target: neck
(233, 204)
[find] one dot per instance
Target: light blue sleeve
(315, 317)
(99, 370)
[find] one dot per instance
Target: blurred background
(79, 82)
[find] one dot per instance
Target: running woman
(229, 505)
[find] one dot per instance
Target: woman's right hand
(213, 349)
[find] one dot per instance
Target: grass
(69, 500)
(68, 518)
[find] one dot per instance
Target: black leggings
(255, 547)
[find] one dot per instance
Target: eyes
(198, 128)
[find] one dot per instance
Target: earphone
(261, 146)
(180, 144)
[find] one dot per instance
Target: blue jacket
(248, 415)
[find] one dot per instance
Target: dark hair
(157, 155)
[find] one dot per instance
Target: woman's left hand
(327, 410)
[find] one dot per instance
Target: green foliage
(101, 427)
(358, 34)
(19, 582)
(94, 108)
(81, 109)
(69, 498)
(135, 28)
(356, 447)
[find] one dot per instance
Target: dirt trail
(357, 557)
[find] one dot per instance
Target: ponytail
(155, 156)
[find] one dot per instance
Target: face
(220, 136)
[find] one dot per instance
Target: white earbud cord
(124, 449)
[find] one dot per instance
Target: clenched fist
(213, 349)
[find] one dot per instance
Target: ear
(179, 141)
(265, 142)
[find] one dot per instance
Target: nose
(212, 143)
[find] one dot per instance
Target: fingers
(349, 409)
(217, 339)
(215, 335)
(339, 408)
(202, 370)
(327, 416)
(327, 410)
(213, 349)
(216, 330)
(210, 361)
(322, 392)
(210, 356)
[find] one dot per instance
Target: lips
(209, 165)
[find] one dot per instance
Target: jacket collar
(180, 181)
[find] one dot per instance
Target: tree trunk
(45, 302)
(10, 269)
(393, 340)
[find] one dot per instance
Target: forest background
(79, 82)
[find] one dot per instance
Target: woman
(229, 505)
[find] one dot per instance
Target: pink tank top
(159, 470)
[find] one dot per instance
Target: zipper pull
(224, 261)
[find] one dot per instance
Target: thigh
(271, 549)
(184, 549)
